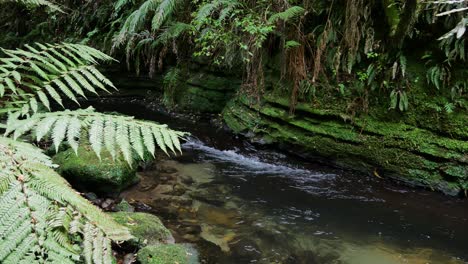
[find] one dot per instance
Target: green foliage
(42, 219)
(287, 15)
(158, 12)
(170, 81)
(31, 77)
(399, 100)
(34, 3)
(103, 131)
(321, 42)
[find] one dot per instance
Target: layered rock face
(406, 152)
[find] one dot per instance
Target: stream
(254, 204)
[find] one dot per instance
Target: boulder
(86, 172)
(146, 228)
(168, 254)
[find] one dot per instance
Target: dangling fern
(103, 131)
(35, 74)
(158, 11)
(45, 3)
(42, 220)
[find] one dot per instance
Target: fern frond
(45, 3)
(41, 218)
(101, 129)
(156, 11)
(165, 9)
(30, 76)
(289, 14)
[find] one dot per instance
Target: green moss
(365, 144)
(124, 206)
(164, 254)
(206, 92)
(146, 228)
(86, 171)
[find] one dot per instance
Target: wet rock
(218, 236)
(90, 196)
(200, 173)
(170, 254)
(87, 172)
(190, 238)
(146, 228)
(167, 169)
(193, 229)
(246, 249)
(186, 179)
(106, 204)
(179, 190)
(129, 258)
(203, 195)
(163, 189)
(218, 216)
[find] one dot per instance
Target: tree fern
(37, 74)
(42, 219)
(102, 130)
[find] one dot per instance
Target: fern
(157, 11)
(45, 3)
(287, 15)
(101, 129)
(42, 219)
(40, 73)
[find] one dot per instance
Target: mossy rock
(168, 254)
(85, 171)
(146, 228)
(124, 206)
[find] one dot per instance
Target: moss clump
(146, 228)
(165, 254)
(124, 206)
(87, 172)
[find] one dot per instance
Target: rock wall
(415, 155)
(206, 91)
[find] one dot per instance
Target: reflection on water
(259, 209)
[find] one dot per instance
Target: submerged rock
(147, 228)
(85, 171)
(168, 254)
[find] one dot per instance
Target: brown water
(255, 205)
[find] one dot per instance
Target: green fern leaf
(110, 137)
(96, 135)
(59, 131)
(73, 133)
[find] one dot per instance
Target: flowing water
(264, 206)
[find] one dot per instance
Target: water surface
(264, 206)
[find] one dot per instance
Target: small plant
(399, 100)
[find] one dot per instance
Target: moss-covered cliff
(398, 150)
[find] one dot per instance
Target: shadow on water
(263, 206)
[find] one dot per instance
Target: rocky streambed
(240, 203)
(241, 209)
